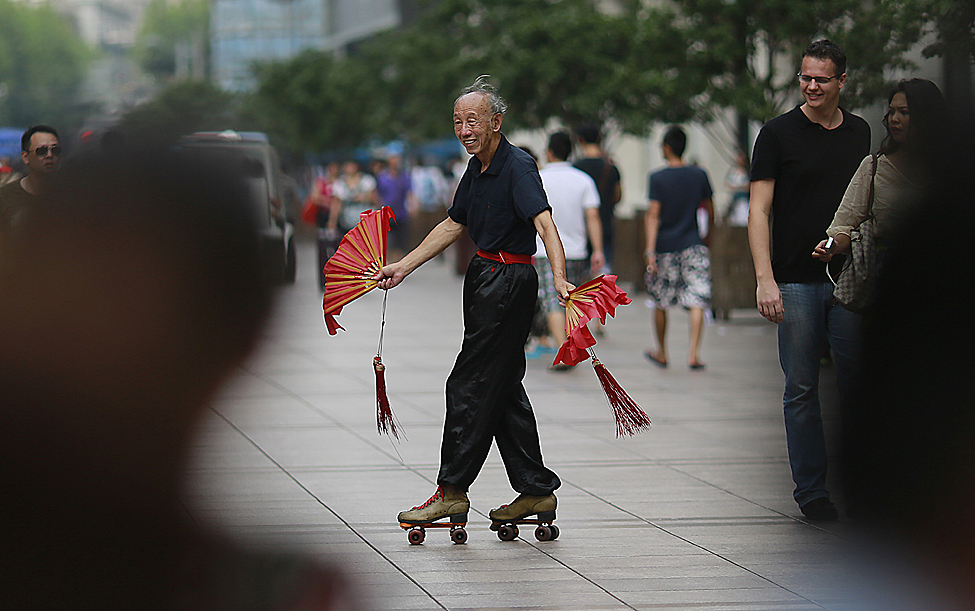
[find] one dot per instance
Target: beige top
(893, 198)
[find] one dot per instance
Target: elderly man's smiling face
(474, 125)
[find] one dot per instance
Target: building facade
(243, 32)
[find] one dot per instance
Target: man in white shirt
(575, 209)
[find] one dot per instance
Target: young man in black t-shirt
(594, 161)
(802, 163)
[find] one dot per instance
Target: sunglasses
(43, 150)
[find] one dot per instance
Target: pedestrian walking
(678, 261)
(394, 188)
(575, 210)
(594, 161)
(323, 199)
(501, 201)
(801, 165)
(355, 193)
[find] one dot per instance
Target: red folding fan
(349, 274)
(596, 299)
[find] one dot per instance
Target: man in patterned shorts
(678, 263)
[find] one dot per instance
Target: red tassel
(384, 415)
(630, 419)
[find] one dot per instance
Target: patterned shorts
(576, 271)
(683, 278)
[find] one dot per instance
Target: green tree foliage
(743, 56)
(568, 61)
(553, 59)
(955, 28)
(168, 27)
(315, 102)
(42, 65)
(402, 83)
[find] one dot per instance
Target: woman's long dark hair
(929, 123)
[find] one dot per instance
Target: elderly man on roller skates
(501, 201)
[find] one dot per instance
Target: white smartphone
(829, 244)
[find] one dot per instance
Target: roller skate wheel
(508, 532)
(555, 532)
(544, 533)
(458, 535)
(416, 536)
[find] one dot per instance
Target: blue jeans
(811, 319)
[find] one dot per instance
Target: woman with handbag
(884, 189)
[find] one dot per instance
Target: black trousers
(485, 397)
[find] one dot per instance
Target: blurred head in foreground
(131, 293)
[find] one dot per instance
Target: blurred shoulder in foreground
(130, 294)
(912, 461)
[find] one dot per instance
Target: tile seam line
(693, 544)
(410, 468)
(345, 522)
(578, 573)
(401, 462)
(365, 380)
(673, 466)
(397, 459)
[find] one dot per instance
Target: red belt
(505, 257)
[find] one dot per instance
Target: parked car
(253, 153)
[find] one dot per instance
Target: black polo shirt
(811, 166)
(498, 205)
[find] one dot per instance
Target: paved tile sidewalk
(693, 514)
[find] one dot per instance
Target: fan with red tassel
(596, 299)
(349, 274)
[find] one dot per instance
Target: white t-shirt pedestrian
(570, 192)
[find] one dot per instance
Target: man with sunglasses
(41, 152)
(802, 163)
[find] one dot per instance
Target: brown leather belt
(505, 257)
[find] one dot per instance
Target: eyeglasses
(820, 80)
(43, 150)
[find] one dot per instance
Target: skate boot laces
(436, 495)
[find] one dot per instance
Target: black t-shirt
(812, 167)
(680, 191)
(13, 202)
(606, 177)
(498, 205)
